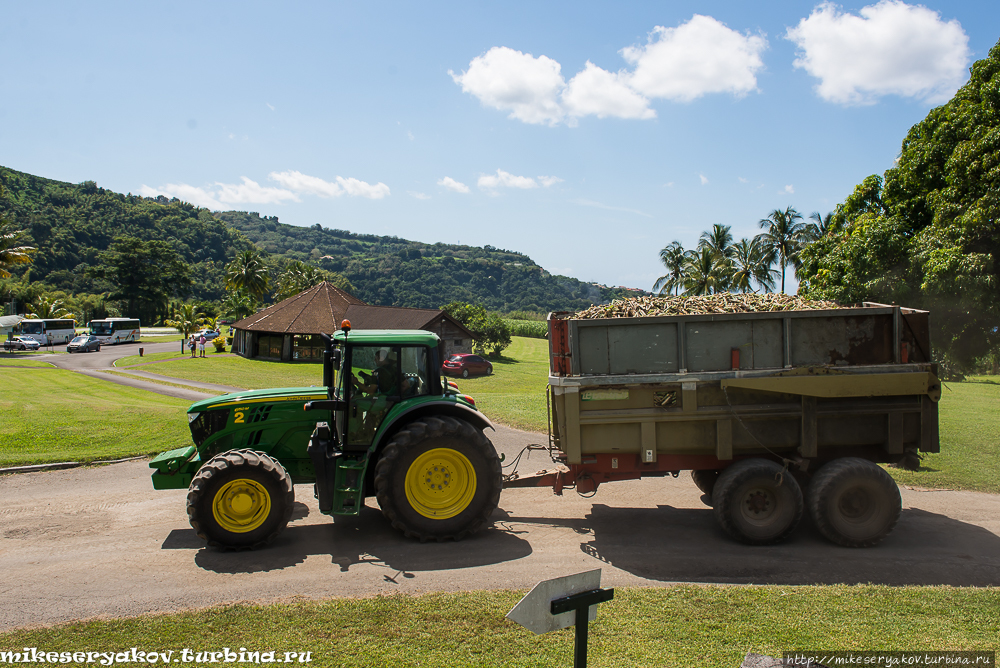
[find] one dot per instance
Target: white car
(21, 343)
(209, 334)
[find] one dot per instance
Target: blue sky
(481, 123)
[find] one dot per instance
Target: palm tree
(817, 230)
(752, 264)
(719, 239)
(704, 273)
(673, 258)
(239, 304)
(187, 320)
(783, 236)
(44, 309)
(298, 276)
(249, 273)
(10, 252)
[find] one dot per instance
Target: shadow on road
(349, 541)
(682, 544)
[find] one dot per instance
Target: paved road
(101, 541)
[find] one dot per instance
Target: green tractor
(385, 424)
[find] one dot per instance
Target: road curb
(56, 466)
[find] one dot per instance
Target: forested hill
(71, 224)
(396, 272)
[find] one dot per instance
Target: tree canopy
(926, 233)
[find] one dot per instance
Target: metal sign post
(557, 604)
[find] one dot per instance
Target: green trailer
(384, 424)
(772, 412)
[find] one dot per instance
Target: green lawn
(49, 415)
(969, 420)
(675, 626)
(515, 394)
(7, 360)
(229, 370)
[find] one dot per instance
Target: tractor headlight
(192, 417)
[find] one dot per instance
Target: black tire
(428, 442)
(756, 502)
(218, 483)
(465, 373)
(854, 502)
(705, 480)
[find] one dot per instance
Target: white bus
(48, 331)
(115, 330)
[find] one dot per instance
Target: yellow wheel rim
(241, 505)
(440, 483)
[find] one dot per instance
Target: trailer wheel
(240, 499)
(757, 502)
(438, 479)
(705, 480)
(854, 502)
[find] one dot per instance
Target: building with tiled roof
(289, 330)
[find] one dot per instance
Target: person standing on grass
(191, 344)
(201, 345)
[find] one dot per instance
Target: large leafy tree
(673, 256)
(297, 276)
(927, 233)
(145, 275)
(49, 308)
(249, 273)
(782, 235)
(705, 273)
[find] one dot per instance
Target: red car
(466, 365)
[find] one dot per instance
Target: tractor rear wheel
(240, 499)
(757, 502)
(854, 502)
(438, 479)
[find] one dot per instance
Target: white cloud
(222, 195)
(299, 182)
(741, 179)
(504, 179)
(549, 180)
(410, 135)
(182, 191)
(304, 183)
(453, 185)
(510, 80)
(704, 179)
(789, 190)
(892, 48)
(357, 188)
(269, 106)
(696, 58)
(251, 192)
(602, 93)
(417, 195)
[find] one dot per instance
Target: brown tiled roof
(321, 309)
(364, 316)
(318, 309)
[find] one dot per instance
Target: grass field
(229, 370)
(515, 394)
(22, 362)
(674, 626)
(51, 415)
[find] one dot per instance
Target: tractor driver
(384, 379)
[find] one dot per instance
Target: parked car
(465, 365)
(209, 334)
(84, 344)
(21, 343)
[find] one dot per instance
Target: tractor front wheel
(240, 500)
(438, 479)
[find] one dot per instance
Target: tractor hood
(300, 394)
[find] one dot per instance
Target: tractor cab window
(379, 378)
